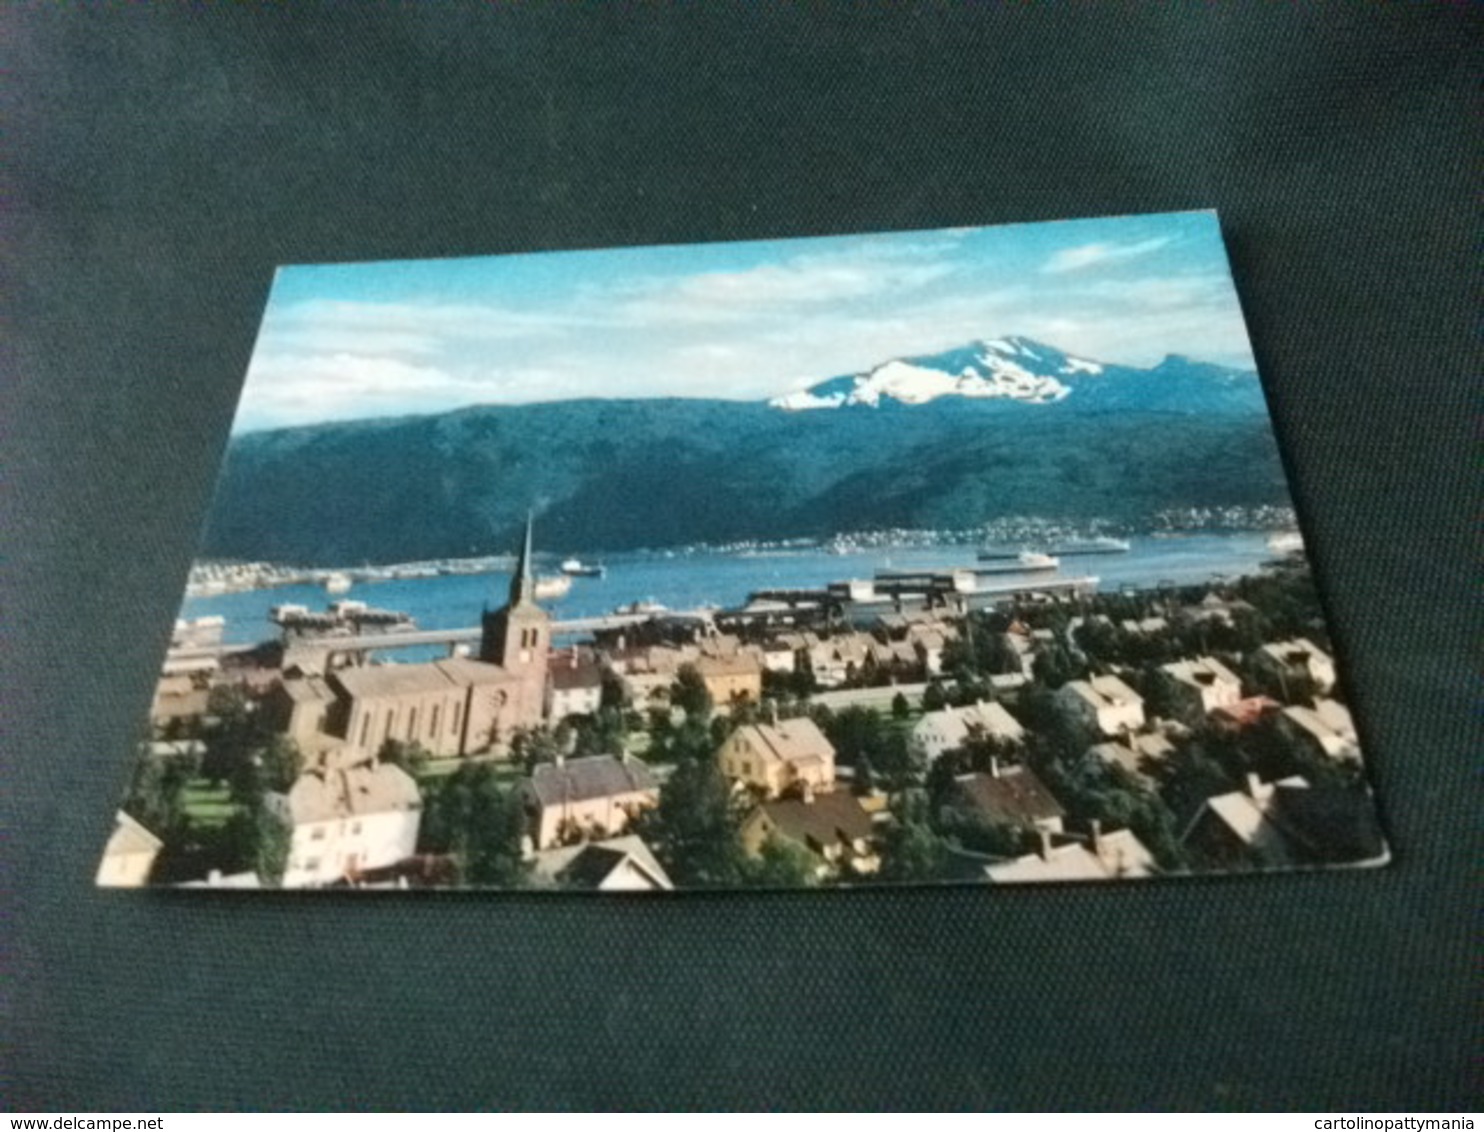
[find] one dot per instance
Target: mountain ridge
(619, 474)
(1018, 368)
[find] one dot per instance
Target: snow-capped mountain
(1018, 369)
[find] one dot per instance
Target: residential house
(574, 686)
(839, 658)
(649, 672)
(1202, 685)
(180, 701)
(952, 727)
(718, 644)
(929, 641)
(1018, 644)
(588, 798)
(1104, 705)
(345, 815)
(1007, 795)
(895, 658)
(729, 680)
(775, 656)
(620, 864)
(129, 856)
(1299, 659)
(1144, 627)
(1244, 826)
(781, 756)
(1327, 727)
(1214, 607)
(1099, 856)
(1134, 753)
(836, 828)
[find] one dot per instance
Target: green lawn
(206, 806)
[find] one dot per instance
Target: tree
(910, 849)
(531, 747)
(897, 763)
(281, 762)
(933, 697)
(855, 731)
(154, 795)
(694, 830)
(272, 842)
(781, 863)
(470, 817)
(900, 709)
(615, 693)
(234, 738)
(689, 693)
(600, 734)
(691, 741)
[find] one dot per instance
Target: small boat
(1286, 542)
(551, 588)
(337, 583)
(576, 568)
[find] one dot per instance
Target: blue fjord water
(687, 581)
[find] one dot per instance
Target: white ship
(337, 583)
(1099, 545)
(576, 568)
(1027, 561)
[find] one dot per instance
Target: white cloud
(350, 326)
(291, 388)
(1089, 255)
(810, 280)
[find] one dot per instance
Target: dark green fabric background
(161, 162)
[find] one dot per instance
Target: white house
(1327, 725)
(1104, 704)
(573, 687)
(1299, 657)
(346, 818)
(1204, 683)
(621, 864)
(939, 731)
(1100, 856)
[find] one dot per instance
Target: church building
(458, 706)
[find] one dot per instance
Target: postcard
(915, 557)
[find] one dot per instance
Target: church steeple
(523, 581)
(517, 636)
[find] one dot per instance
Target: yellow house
(589, 798)
(731, 679)
(776, 757)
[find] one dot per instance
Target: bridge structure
(340, 643)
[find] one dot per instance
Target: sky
(741, 321)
